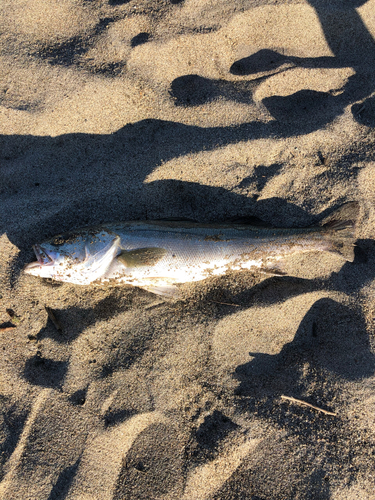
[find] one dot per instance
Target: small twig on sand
(225, 303)
(156, 303)
(299, 401)
(53, 318)
(360, 110)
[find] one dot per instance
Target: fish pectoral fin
(98, 263)
(141, 256)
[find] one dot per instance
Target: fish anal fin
(141, 257)
(166, 290)
(273, 269)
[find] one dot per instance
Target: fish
(161, 255)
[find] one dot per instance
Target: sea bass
(159, 255)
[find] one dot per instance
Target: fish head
(79, 259)
(57, 261)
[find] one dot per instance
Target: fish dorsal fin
(251, 221)
(140, 257)
(176, 219)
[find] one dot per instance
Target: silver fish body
(157, 255)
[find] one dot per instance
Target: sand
(132, 110)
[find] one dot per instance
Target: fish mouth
(43, 259)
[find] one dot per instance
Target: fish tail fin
(340, 229)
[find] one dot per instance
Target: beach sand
(131, 110)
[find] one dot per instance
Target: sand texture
(145, 109)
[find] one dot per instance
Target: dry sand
(142, 109)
